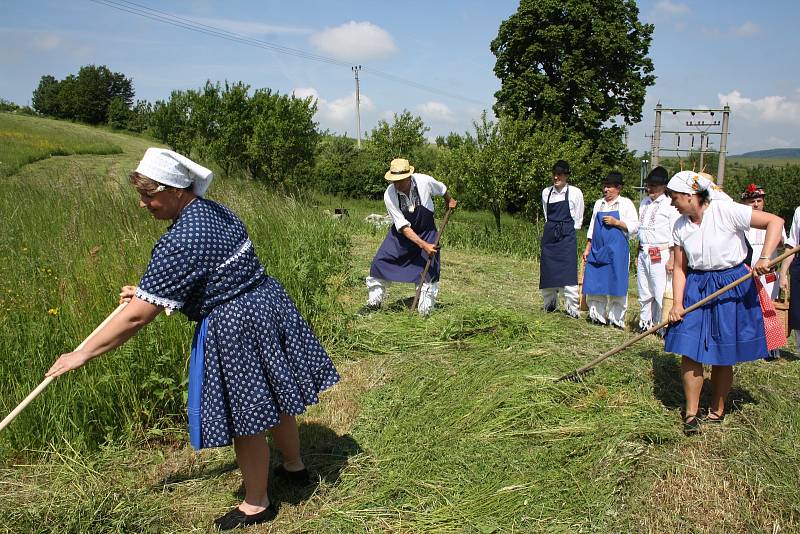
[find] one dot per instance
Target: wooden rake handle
(430, 260)
(662, 324)
(46, 382)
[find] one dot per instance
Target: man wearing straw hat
(410, 242)
(558, 262)
(657, 216)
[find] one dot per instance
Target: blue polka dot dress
(253, 356)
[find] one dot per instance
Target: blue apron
(398, 259)
(609, 259)
(558, 262)
(196, 374)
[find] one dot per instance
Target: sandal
(235, 518)
(714, 417)
(691, 425)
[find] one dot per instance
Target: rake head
(575, 376)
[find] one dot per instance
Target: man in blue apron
(410, 242)
(558, 264)
(607, 254)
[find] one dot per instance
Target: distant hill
(772, 153)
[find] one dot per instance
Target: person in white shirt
(657, 216)
(607, 254)
(558, 262)
(410, 242)
(710, 248)
(753, 196)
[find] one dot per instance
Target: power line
(134, 8)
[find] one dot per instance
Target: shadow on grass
(668, 388)
(325, 453)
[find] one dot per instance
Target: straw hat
(399, 169)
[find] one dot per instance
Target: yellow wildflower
(52, 311)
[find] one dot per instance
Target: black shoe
(235, 518)
(691, 425)
(299, 478)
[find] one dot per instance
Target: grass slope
(454, 424)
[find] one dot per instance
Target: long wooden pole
(46, 382)
(430, 260)
(575, 374)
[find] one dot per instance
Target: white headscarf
(692, 183)
(170, 168)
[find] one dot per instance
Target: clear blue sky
(705, 53)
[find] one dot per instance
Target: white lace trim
(158, 301)
(247, 245)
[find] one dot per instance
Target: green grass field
(447, 424)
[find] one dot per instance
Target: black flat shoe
(300, 478)
(235, 518)
(691, 425)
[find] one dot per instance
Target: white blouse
(576, 205)
(427, 187)
(719, 241)
(656, 220)
(627, 214)
(794, 230)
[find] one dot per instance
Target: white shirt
(756, 238)
(627, 213)
(427, 187)
(656, 220)
(718, 242)
(576, 205)
(794, 230)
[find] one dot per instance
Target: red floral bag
(773, 326)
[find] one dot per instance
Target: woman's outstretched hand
(68, 362)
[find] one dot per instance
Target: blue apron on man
(400, 260)
(609, 258)
(558, 264)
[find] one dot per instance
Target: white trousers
(571, 299)
(651, 281)
(605, 309)
(376, 294)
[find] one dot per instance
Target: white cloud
(250, 28)
(355, 41)
(747, 29)
(777, 142)
(340, 111)
(435, 110)
(46, 41)
(672, 8)
(779, 109)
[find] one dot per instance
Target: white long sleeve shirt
(576, 205)
(656, 221)
(627, 214)
(427, 187)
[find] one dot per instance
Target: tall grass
(23, 141)
(72, 236)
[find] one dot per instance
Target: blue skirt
(727, 330)
(253, 358)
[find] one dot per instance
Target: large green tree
(85, 97)
(581, 62)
